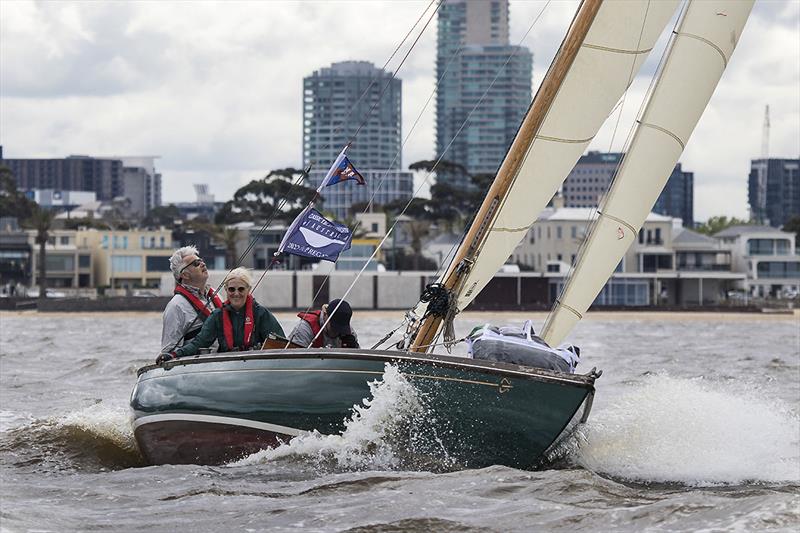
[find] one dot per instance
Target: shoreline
(479, 315)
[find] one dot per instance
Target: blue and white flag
(313, 235)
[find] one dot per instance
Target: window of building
(162, 242)
(59, 263)
(124, 242)
(558, 232)
(116, 242)
(573, 232)
(126, 263)
(157, 263)
(548, 232)
(760, 246)
(84, 261)
(104, 242)
(658, 236)
(64, 241)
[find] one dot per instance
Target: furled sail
(617, 43)
(698, 54)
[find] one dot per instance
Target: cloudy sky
(214, 89)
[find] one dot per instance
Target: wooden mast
(511, 164)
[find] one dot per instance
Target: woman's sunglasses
(234, 289)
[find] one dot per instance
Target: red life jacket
(196, 302)
(249, 324)
(313, 319)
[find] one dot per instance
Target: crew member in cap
(337, 333)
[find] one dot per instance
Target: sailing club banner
(312, 235)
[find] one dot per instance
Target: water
(695, 426)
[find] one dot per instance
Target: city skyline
(217, 91)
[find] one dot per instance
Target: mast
(467, 251)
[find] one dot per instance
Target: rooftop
(735, 231)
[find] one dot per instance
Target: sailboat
(217, 408)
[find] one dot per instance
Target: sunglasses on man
(194, 263)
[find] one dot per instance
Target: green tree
(718, 223)
(42, 221)
(274, 195)
(228, 237)
(417, 229)
(13, 203)
(793, 226)
(163, 215)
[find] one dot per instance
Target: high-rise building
(774, 190)
(336, 101)
(677, 198)
(589, 179)
(134, 178)
(474, 59)
(591, 176)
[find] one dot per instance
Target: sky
(215, 89)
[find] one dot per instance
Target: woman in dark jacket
(241, 324)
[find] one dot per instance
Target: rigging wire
(306, 171)
(446, 149)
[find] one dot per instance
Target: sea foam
(379, 434)
(695, 432)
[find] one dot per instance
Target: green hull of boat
(213, 409)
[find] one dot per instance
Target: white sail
(700, 50)
(620, 38)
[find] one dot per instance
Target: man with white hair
(193, 300)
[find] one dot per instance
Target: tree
(228, 237)
(13, 203)
(719, 223)
(418, 229)
(163, 215)
(273, 196)
(42, 221)
(793, 226)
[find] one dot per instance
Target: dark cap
(340, 319)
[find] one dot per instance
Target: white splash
(694, 432)
(366, 439)
(107, 422)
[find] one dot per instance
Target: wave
(96, 438)
(392, 430)
(693, 432)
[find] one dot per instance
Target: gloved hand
(164, 357)
(349, 341)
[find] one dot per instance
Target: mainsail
(607, 43)
(700, 50)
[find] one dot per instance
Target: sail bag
(520, 346)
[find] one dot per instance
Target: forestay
(618, 42)
(699, 52)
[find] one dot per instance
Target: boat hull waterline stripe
(212, 419)
(372, 372)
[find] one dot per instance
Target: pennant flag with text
(313, 235)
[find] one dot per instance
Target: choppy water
(696, 426)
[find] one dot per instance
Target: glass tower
(473, 54)
(336, 100)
